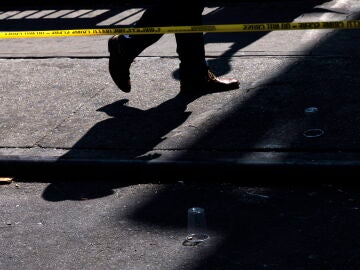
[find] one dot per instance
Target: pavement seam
(256, 150)
(37, 144)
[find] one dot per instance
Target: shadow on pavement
(135, 142)
(295, 228)
(245, 127)
(290, 227)
(280, 228)
(271, 226)
(235, 128)
(271, 12)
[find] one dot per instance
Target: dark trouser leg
(133, 45)
(195, 76)
(191, 51)
(190, 47)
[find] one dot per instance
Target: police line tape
(254, 27)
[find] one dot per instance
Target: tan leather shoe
(208, 84)
(119, 64)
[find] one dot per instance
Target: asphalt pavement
(102, 177)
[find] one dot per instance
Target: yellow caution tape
(253, 27)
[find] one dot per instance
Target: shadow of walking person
(130, 136)
(131, 132)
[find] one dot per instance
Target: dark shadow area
(296, 227)
(122, 134)
(289, 227)
(132, 131)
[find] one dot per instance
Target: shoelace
(211, 76)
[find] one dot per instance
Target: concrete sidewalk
(60, 110)
(60, 106)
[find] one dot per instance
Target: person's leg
(194, 72)
(195, 75)
(124, 49)
(191, 47)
